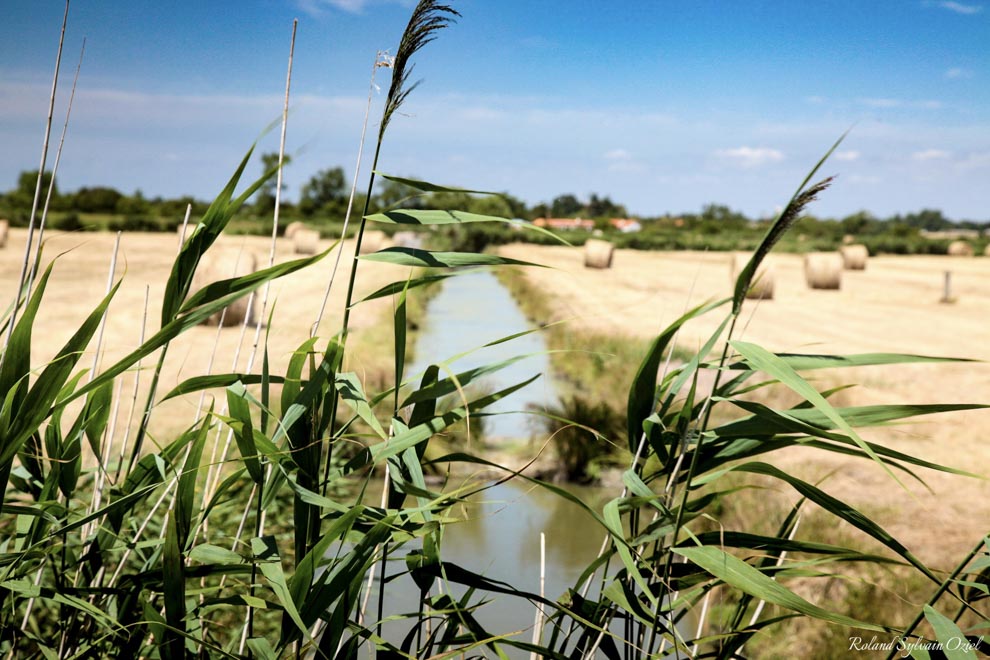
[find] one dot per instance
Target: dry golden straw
(224, 264)
(854, 256)
(306, 241)
(598, 254)
(292, 228)
(960, 249)
(823, 270)
(761, 287)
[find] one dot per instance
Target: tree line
(323, 199)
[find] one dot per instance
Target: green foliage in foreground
(175, 552)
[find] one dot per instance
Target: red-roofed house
(625, 225)
(565, 224)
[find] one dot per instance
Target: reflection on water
(471, 310)
(498, 533)
(499, 537)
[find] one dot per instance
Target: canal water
(498, 534)
(474, 309)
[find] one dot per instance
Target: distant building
(565, 224)
(626, 225)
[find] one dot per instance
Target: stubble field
(79, 281)
(892, 306)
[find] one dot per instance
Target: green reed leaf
(739, 574)
(953, 642)
(404, 256)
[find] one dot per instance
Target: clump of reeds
(225, 264)
(762, 286)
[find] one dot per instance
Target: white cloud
(864, 179)
(882, 103)
(751, 156)
(961, 8)
(956, 73)
(814, 100)
(617, 154)
(930, 154)
(316, 7)
(847, 156)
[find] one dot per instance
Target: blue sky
(665, 105)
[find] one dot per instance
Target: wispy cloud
(957, 73)
(931, 154)
(890, 104)
(622, 160)
(960, 8)
(317, 7)
(882, 103)
(847, 156)
(751, 156)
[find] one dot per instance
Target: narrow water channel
(474, 309)
(499, 532)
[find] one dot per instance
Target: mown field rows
(892, 306)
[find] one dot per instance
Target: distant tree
(604, 207)
(928, 219)
(517, 207)
(98, 199)
(175, 209)
(134, 204)
(859, 223)
(391, 195)
(264, 200)
(449, 201)
(540, 210)
(565, 206)
(491, 205)
(21, 197)
(724, 217)
(324, 193)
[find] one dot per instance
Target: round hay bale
(823, 270)
(4, 232)
(223, 264)
(848, 239)
(986, 250)
(854, 256)
(960, 249)
(598, 254)
(306, 241)
(373, 241)
(409, 239)
(292, 228)
(761, 286)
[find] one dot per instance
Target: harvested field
(891, 307)
(79, 282)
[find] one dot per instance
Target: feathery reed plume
(784, 221)
(427, 19)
